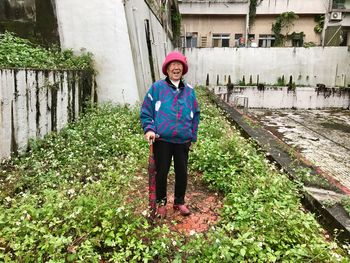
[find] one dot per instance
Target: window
(297, 39)
(338, 4)
(204, 42)
(251, 40)
(191, 39)
(238, 37)
(266, 40)
(221, 40)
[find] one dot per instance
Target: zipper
(177, 109)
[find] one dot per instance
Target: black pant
(163, 153)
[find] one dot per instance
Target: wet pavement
(320, 136)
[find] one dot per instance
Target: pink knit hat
(175, 56)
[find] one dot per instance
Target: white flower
(144, 212)
(192, 232)
(71, 191)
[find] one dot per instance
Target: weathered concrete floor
(321, 136)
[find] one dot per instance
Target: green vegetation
(319, 19)
(306, 178)
(252, 11)
(68, 199)
(281, 81)
(242, 82)
(176, 24)
(283, 23)
(309, 44)
(21, 53)
(346, 204)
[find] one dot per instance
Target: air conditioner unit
(336, 16)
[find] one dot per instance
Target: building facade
(264, 23)
(337, 24)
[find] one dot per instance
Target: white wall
(101, 28)
(136, 13)
(307, 66)
(33, 103)
(265, 7)
(198, 8)
(297, 6)
(282, 98)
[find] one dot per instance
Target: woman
(170, 117)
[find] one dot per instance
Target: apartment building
(249, 23)
(337, 24)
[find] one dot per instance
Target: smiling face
(175, 70)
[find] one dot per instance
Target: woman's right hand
(150, 137)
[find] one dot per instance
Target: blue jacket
(172, 113)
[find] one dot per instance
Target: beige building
(234, 23)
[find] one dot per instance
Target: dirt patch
(203, 203)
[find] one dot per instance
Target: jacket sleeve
(196, 116)
(147, 112)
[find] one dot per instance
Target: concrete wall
(33, 103)
(284, 98)
(307, 66)
(31, 19)
(101, 28)
(297, 6)
(17, 10)
(115, 33)
(214, 8)
(137, 13)
(265, 7)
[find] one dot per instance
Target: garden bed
(68, 199)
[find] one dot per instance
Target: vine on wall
(284, 22)
(176, 23)
(252, 11)
(319, 19)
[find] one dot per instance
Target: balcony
(341, 5)
(213, 7)
(274, 7)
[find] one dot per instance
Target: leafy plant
(319, 19)
(346, 204)
(281, 81)
(281, 27)
(309, 44)
(252, 11)
(176, 23)
(21, 53)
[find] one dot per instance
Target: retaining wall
(286, 98)
(302, 66)
(33, 103)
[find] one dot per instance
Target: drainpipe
(326, 22)
(134, 10)
(325, 26)
(247, 26)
